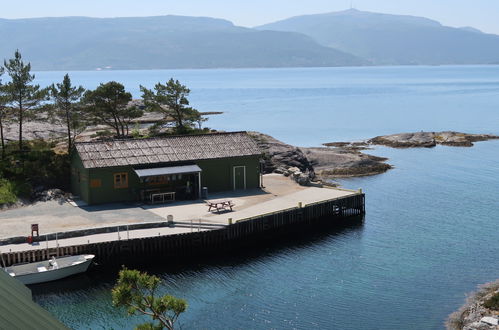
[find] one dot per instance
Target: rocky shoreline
(474, 315)
(346, 159)
(317, 164)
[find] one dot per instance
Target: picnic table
(220, 205)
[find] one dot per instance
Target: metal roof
(167, 170)
(17, 309)
(166, 149)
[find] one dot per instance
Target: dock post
(230, 221)
(300, 205)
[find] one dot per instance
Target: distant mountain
(394, 39)
(470, 29)
(82, 43)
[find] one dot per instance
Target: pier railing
(203, 242)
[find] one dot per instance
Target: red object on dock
(34, 227)
(29, 239)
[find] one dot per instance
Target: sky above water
(481, 14)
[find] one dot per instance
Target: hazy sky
(482, 14)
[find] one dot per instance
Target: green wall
(106, 193)
(79, 178)
(217, 175)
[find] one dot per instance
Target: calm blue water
(430, 233)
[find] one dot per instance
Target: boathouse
(166, 168)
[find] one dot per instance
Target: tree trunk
(20, 128)
(1, 137)
(68, 123)
(116, 125)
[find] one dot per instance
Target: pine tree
(23, 96)
(108, 104)
(67, 109)
(171, 100)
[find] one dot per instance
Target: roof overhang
(145, 172)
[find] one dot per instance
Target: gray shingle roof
(167, 149)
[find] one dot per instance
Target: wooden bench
(162, 197)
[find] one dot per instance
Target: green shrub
(10, 191)
(7, 194)
(493, 302)
(36, 165)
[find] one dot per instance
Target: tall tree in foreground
(67, 110)
(22, 95)
(108, 104)
(171, 100)
(3, 112)
(136, 291)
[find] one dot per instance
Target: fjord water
(430, 234)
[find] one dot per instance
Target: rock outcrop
(279, 156)
(474, 315)
(338, 162)
(430, 139)
(306, 165)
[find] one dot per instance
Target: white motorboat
(50, 270)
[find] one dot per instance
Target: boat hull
(53, 274)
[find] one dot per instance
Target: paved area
(53, 217)
(279, 193)
(97, 238)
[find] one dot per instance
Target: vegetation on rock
(171, 100)
(108, 104)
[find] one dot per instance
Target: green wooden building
(19, 311)
(157, 169)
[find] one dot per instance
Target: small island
(419, 140)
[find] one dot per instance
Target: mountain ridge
(386, 39)
(160, 42)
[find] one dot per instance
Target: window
(95, 183)
(120, 180)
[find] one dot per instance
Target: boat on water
(50, 270)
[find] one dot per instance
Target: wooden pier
(204, 242)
